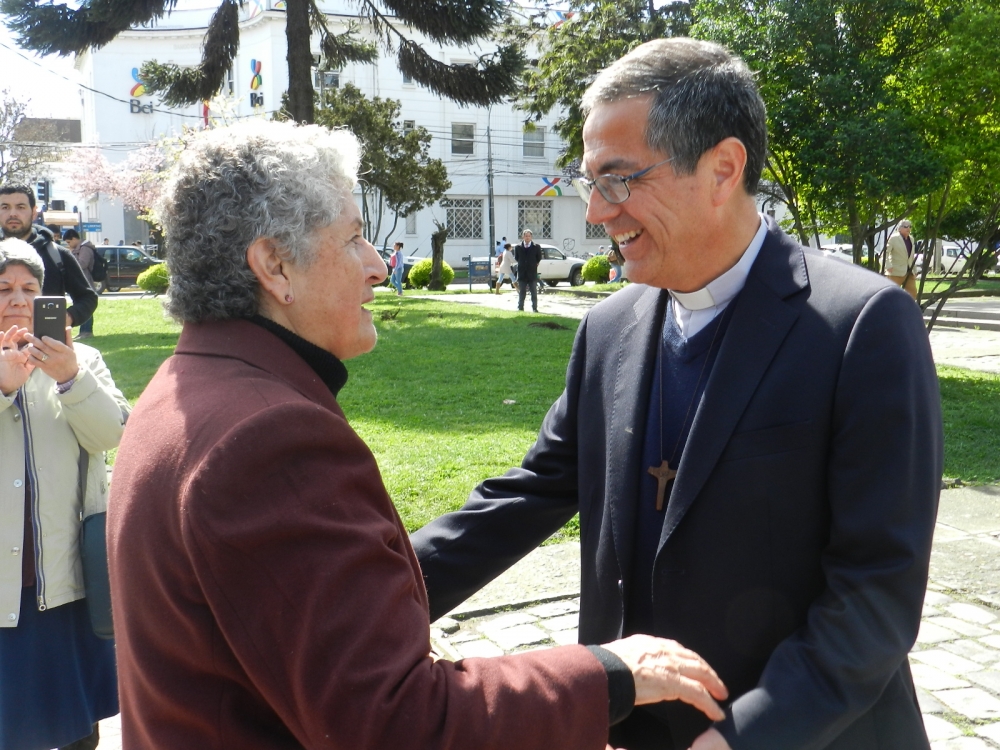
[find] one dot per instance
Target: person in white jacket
(59, 411)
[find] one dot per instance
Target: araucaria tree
(396, 171)
(64, 29)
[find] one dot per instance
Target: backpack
(100, 270)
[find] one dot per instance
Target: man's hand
(664, 670)
(710, 739)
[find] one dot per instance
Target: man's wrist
(64, 387)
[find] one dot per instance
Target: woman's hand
(56, 359)
(15, 365)
(664, 670)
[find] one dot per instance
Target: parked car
(840, 252)
(554, 267)
(125, 263)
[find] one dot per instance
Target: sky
(40, 81)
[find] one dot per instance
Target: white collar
(721, 290)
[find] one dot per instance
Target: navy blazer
(795, 546)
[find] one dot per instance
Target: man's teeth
(623, 238)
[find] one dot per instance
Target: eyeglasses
(613, 187)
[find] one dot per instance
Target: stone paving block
(939, 729)
(936, 598)
(482, 647)
(962, 627)
(566, 622)
(991, 640)
(960, 743)
(929, 678)
(929, 611)
(988, 678)
(970, 612)
(989, 731)
(928, 703)
(554, 609)
(946, 662)
(447, 624)
(932, 633)
(972, 650)
(566, 637)
(973, 703)
(519, 635)
(462, 636)
(505, 621)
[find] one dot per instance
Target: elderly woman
(59, 412)
(265, 591)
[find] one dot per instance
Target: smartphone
(50, 318)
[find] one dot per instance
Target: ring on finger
(44, 356)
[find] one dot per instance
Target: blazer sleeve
(507, 517)
(308, 573)
(884, 474)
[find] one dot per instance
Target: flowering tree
(136, 182)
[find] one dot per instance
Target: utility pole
(489, 183)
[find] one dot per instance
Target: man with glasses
(750, 432)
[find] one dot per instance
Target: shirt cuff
(621, 684)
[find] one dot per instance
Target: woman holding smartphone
(59, 411)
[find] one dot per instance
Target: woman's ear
(267, 266)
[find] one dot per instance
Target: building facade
(475, 143)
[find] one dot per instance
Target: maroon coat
(265, 591)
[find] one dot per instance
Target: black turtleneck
(329, 369)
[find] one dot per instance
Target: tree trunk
(437, 258)
(297, 34)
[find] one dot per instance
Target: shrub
(420, 274)
(154, 279)
(597, 269)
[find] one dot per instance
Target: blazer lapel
(760, 322)
(629, 406)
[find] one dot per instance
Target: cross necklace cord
(663, 472)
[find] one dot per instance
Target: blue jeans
(87, 326)
(397, 279)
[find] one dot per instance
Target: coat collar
(257, 347)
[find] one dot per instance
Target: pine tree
(62, 29)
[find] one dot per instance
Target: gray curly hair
(702, 94)
(15, 252)
(236, 184)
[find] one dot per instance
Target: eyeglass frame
(590, 184)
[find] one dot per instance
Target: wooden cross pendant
(663, 474)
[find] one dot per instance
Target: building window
(327, 79)
(411, 224)
(596, 231)
(535, 215)
(407, 79)
(230, 85)
(463, 138)
(534, 143)
(465, 217)
(409, 125)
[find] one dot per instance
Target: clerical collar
(694, 310)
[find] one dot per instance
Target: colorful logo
(256, 8)
(562, 17)
(256, 82)
(140, 88)
(550, 187)
(280, 5)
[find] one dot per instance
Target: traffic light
(42, 191)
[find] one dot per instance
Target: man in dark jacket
(62, 273)
(528, 255)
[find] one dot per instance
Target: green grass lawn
(430, 400)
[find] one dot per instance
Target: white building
(529, 190)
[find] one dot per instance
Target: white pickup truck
(556, 266)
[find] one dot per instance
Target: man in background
(528, 255)
(63, 274)
(84, 254)
(899, 258)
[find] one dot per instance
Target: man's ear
(729, 160)
(266, 264)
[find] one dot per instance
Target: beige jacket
(90, 415)
(897, 262)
